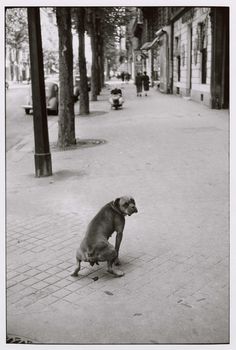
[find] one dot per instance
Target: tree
(84, 96)
(103, 27)
(93, 32)
(50, 59)
(16, 27)
(66, 120)
(16, 33)
(110, 53)
(115, 19)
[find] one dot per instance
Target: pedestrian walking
(146, 82)
(139, 84)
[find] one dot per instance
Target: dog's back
(101, 225)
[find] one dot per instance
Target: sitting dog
(95, 246)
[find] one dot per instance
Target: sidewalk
(171, 154)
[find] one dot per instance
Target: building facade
(200, 50)
(185, 51)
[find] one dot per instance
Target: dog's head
(126, 205)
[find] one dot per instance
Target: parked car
(76, 86)
(52, 99)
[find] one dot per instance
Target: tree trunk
(17, 65)
(84, 96)
(107, 68)
(66, 120)
(94, 68)
(98, 42)
(102, 60)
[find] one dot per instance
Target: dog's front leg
(119, 237)
(114, 272)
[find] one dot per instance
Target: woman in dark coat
(146, 83)
(139, 84)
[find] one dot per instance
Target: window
(204, 65)
(178, 67)
(202, 47)
(177, 46)
(177, 55)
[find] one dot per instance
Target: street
(18, 124)
(171, 155)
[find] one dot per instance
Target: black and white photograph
(117, 174)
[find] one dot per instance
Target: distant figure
(116, 100)
(139, 84)
(123, 76)
(146, 83)
(127, 77)
(116, 91)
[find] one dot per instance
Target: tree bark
(94, 68)
(84, 96)
(99, 62)
(102, 60)
(66, 120)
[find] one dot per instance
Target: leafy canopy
(16, 27)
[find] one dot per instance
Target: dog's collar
(116, 209)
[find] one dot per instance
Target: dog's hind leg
(75, 273)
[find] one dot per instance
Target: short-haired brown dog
(95, 246)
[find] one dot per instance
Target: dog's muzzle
(132, 211)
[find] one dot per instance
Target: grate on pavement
(15, 339)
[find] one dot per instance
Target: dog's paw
(116, 273)
(74, 274)
(117, 262)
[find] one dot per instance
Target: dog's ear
(116, 202)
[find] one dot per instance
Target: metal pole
(42, 156)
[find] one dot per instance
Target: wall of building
(192, 59)
(187, 29)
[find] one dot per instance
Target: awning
(154, 42)
(149, 44)
(146, 46)
(161, 31)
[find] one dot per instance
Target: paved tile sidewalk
(172, 155)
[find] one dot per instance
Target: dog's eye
(126, 205)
